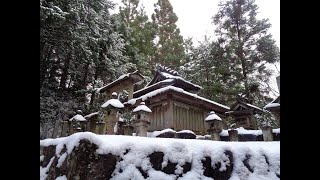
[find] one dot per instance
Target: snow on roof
(142, 107)
(113, 102)
(90, 115)
(253, 106)
(131, 101)
(167, 88)
(77, 117)
(186, 131)
(270, 105)
(177, 151)
(115, 81)
(213, 116)
(169, 76)
(147, 87)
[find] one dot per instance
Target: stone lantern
(77, 123)
(110, 110)
(214, 125)
(142, 119)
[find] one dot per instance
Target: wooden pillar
(56, 129)
(267, 133)
(64, 128)
(169, 113)
(130, 90)
(101, 127)
(233, 135)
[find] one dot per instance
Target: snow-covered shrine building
(243, 114)
(171, 98)
(174, 103)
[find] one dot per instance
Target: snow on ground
(44, 170)
(177, 151)
(113, 102)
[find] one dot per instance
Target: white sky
(194, 16)
(195, 19)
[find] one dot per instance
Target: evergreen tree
(138, 33)
(248, 45)
(170, 50)
(80, 49)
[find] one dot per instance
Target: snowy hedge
(90, 156)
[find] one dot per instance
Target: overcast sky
(195, 20)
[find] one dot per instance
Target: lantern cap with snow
(113, 102)
(142, 112)
(78, 117)
(214, 122)
(141, 120)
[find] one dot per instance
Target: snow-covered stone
(138, 154)
(113, 102)
(212, 116)
(77, 117)
(142, 107)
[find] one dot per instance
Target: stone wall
(85, 156)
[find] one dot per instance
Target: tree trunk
(84, 80)
(65, 72)
(44, 58)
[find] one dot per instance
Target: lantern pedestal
(141, 127)
(233, 135)
(267, 133)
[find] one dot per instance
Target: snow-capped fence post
(233, 135)
(214, 125)
(142, 119)
(64, 128)
(56, 129)
(101, 127)
(267, 133)
(45, 131)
